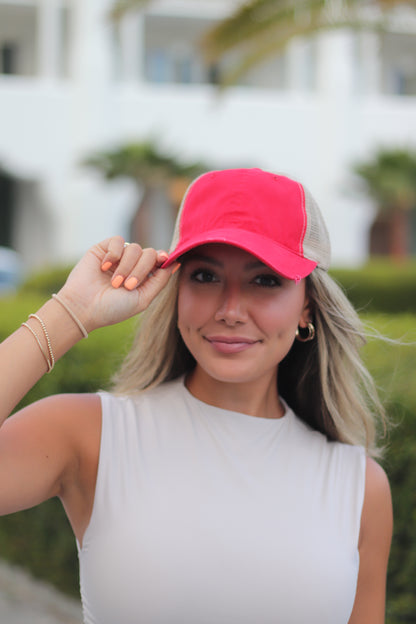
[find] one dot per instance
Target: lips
(228, 344)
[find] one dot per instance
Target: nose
(232, 309)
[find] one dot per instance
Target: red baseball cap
(271, 216)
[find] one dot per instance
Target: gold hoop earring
(311, 333)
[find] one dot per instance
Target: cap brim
(279, 258)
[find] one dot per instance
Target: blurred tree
(160, 176)
(390, 179)
(259, 29)
(144, 162)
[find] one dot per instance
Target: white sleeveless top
(208, 516)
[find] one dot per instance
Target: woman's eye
(267, 281)
(203, 276)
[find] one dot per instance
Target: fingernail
(131, 283)
(117, 281)
(106, 266)
(161, 259)
(176, 268)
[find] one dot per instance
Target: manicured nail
(131, 283)
(117, 281)
(107, 265)
(176, 268)
(162, 256)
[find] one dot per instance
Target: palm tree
(390, 179)
(144, 162)
(259, 29)
(160, 176)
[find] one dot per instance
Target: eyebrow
(256, 264)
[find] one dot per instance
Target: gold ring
(126, 244)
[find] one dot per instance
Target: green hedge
(394, 369)
(46, 282)
(41, 538)
(382, 286)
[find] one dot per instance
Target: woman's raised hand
(111, 283)
(114, 281)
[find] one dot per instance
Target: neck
(258, 398)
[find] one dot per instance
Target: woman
(194, 491)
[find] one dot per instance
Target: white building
(72, 82)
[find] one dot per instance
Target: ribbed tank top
(208, 516)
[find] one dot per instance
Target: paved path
(24, 600)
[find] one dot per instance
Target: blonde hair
(324, 381)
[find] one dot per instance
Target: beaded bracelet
(48, 341)
(50, 361)
(49, 357)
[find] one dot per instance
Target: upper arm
(41, 448)
(374, 547)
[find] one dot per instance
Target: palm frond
(261, 29)
(144, 162)
(255, 20)
(258, 29)
(124, 6)
(390, 178)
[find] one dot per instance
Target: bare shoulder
(68, 424)
(47, 446)
(377, 499)
(61, 407)
(374, 547)
(376, 477)
(377, 515)
(58, 414)
(67, 401)
(63, 425)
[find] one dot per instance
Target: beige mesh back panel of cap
(316, 244)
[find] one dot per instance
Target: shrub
(380, 286)
(400, 465)
(46, 282)
(393, 367)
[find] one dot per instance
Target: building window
(182, 69)
(171, 50)
(398, 53)
(157, 66)
(171, 66)
(8, 58)
(20, 29)
(172, 54)
(403, 82)
(17, 39)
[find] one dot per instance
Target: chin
(233, 374)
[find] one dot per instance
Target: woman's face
(237, 316)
